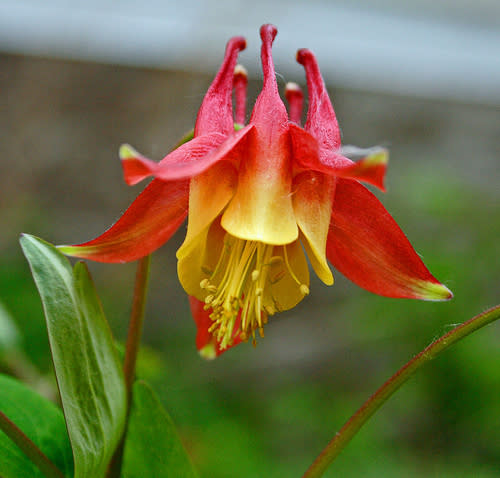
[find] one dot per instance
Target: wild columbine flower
(259, 197)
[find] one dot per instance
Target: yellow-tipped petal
(198, 258)
(312, 203)
(318, 262)
(208, 352)
(261, 209)
(209, 194)
(376, 156)
(287, 276)
(127, 152)
(432, 291)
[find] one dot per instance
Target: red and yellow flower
(259, 197)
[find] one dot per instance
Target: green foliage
(87, 368)
(152, 441)
(41, 421)
(9, 334)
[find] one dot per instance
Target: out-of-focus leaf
(153, 447)
(9, 334)
(87, 368)
(41, 421)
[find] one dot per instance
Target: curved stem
(136, 322)
(34, 453)
(351, 427)
(132, 350)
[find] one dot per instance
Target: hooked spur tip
(268, 32)
(303, 55)
(236, 43)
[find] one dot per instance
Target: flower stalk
(132, 350)
(136, 323)
(351, 427)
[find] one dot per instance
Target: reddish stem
(351, 427)
(131, 351)
(27, 446)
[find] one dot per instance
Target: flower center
(239, 289)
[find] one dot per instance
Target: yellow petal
(209, 194)
(312, 204)
(198, 258)
(286, 291)
(261, 210)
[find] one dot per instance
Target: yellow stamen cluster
(238, 290)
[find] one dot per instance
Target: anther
(235, 303)
(204, 283)
(304, 290)
(270, 309)
(274, 260)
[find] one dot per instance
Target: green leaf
(9, 334)
(88, 370)
(153, 447)
(41, 421)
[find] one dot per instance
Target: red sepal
(188, 160)
(309, 156)
(146, 225)
(205, 341)
(367, 246)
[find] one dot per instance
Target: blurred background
(77, 79)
